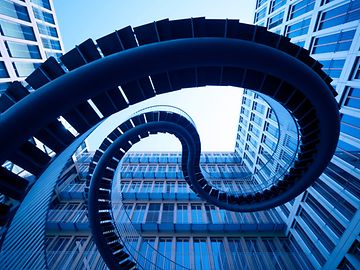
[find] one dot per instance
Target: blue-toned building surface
(29, 34)
(324, 220)
(171, 219)
(317, 230)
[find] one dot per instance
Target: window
(146, 186)
(348, 152)
(211, 214)
(170, 186)
(290, 142)
(3, 86)
(201, 254)
(286, 157)
(268, 142)
(325, 215)
(135, 186)
(42, 3)
(256, 119)
(320, 234)
(182, 187)
(285, 210)
(298, 29)
(301, 7)
(21, 50)
(14, 10)
(260, 14)
(158, 187)
(340, 15)
(23, 69)
(153, 212)
(43, 15)
(333, 67)
(16, 30)
(353, 98)
(356, 71)
(47, 30)
(196, 214)
(147, 250)
(274, 131)
(333, 43)
(276, 20)
(167, 213)
(182, 250)
(125, 185)
(343, 206)
(182, 213)
(53, 249)
(271, 114)
(260, 3)
(292, 248)
(300, 43)
(139, 213)
(254, 248)
(219, 254)
(276, 4)
(258, 107)
(350, 125)
(164, 248)
(311, 246)
(3, 72)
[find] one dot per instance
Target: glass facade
(22, 50)
(321, 219)
(28, 31)
(318, 229)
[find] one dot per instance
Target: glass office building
(29, 34)
(317, 230)
(170, 218)
(324, 220)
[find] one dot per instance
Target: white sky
(215, 110)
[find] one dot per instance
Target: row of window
(326, 216)
(344, 179)
(310, 244)
(181, 213)
(317, 230)
(175, 171)
(336, 16)
(170, 186)
(72, 252)
(22, 69)
(78, 252)
(176, 157)
(335, 199)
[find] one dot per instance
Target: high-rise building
(324, 220)
(318, 229)
(172, 220)
(29, 34)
